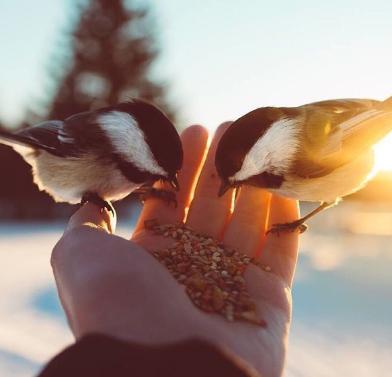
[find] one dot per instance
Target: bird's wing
(336, 131)
(51, 136)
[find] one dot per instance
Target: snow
(342, 303)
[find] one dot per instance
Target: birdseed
(211, 272)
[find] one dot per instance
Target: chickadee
(321, 151)
(101, 155)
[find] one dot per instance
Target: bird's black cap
(240, 137)
(160, 134)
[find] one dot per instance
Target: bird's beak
(225, 186)
(174, 183)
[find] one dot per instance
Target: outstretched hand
(111, 285)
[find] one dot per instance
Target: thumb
(91, 215)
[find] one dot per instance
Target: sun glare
(383, 152)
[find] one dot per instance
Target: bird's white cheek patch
(272, 152)
(128, 139)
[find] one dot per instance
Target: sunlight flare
(383, 152)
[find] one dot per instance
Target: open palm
(148, 305)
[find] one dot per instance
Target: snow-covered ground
(342, 319)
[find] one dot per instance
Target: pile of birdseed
(212, 273)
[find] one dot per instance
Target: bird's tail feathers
(11, 139)
(362, 132)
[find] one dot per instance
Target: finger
(246, 229)
(92, 215)
(194, 141)
(208, 213)
(281, 251)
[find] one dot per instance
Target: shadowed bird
(321, 151)
(100, 155)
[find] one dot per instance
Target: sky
(221, 58)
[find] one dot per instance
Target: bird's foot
(90, 197)
(288, 227)
(145, 193)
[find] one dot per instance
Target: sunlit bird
(319, 152)
(101, 155)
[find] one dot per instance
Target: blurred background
(202, 63)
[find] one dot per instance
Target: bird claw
(288, 227)
(168, 196)
(90, 197)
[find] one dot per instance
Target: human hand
(113, 286)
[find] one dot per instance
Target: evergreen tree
(113, 49)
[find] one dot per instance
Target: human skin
(114, 286)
